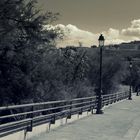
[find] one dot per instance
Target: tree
(112, 69)
(22, 41)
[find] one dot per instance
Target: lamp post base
(99, 112)
(130, 98)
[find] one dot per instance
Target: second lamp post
(130, 89)
(99, 94)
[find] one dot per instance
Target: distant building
(93, 46)
(134, 45)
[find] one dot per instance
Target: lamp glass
(130, 65)
(101, 43)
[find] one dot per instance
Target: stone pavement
(120, 121)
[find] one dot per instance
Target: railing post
(53, 120)
(115, 98)
(118, 96)
(69, 115)
(122, 96)
(103, 103)
(107, 100)
(30, 128)
(92, 106)
(81, 109)
(112, 99)
(137, 94)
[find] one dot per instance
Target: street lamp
(99, 96)
(130, 88)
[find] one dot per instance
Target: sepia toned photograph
(69, 69)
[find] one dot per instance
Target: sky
(83, 20)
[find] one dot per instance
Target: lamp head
(130, 65)
(101, 40)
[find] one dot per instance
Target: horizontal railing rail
(24, 117)
(112, 98)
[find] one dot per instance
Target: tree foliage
(22, 37)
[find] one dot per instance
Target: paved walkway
(120, 121)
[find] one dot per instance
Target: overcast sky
(119, 20)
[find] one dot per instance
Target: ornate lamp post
(99, 96)
(130, 88)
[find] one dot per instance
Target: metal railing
(112, 98)
(25, 117)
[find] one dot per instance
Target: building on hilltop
(134, 45)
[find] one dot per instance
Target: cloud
(136, 23)
(113, 33)
(73, 35)
(133, 30)
(113, 36)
